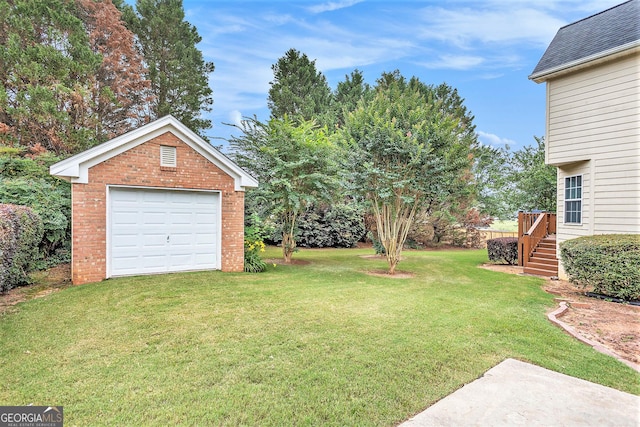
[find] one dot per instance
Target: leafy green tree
(298, 90)
(294, 164)
(534, 181)
(407, 154)
(492, 178)
(178, 73)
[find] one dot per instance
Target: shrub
(609, 264)
(503, 250)
(20, 232)
(377, 244)
(254, 233)
(26, 181)
(336, 226)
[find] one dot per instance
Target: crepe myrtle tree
(399, 144)
(295, 164)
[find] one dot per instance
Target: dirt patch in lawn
(45, 283)
(385, 273)
(613, 325)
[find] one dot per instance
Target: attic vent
(168, 156)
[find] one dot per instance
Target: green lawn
(316, 344)
(505, 225)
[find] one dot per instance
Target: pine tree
(121, 94)
(178, 73)
(298, 90)
(45, 64)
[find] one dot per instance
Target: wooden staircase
(543, 261)
(537, 243)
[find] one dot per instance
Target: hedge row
(609, 264)
(503, 250)
(21, 231)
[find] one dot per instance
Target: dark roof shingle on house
(602, 32)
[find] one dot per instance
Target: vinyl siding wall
(593, 130)
(594, 113)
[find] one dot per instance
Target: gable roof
(76, 168)
(606, 33)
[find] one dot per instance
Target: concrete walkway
(517, 393)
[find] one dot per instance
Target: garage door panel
(181, 218)
(155, 231)
(205, 238)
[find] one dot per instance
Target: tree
(407, 154)
(348, 93)
(70, 76)
(178, 73)
(512, 181)
(294, 164)
(493, 181)
(45, 64)
(298, 90)
(120, 92)
(534, 181)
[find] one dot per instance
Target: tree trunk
(393, 221)
(288, 239)
(288, 247)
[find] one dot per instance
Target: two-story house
(592, 72)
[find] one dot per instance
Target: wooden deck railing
(532, 228)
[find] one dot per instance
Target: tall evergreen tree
(298, 90)
(121, 94)
(178, 73)
(45, 64)
(348, 93)
(70, 75)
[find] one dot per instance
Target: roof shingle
(604, 31)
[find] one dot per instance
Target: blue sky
(485, 49)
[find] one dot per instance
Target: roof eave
(618, 51)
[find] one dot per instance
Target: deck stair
(543, 261)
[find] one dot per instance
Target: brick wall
(140, 166)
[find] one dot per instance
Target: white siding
(617, 195)
(593, 129)
(594, 113)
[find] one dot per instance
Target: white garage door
(158, 231)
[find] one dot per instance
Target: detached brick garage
(157, 199)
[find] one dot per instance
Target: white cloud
(332, 5)
(235, 117)
(506, 24)
(493, 139)
(454, 62)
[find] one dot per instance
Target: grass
(505, 225)
(316, 344)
